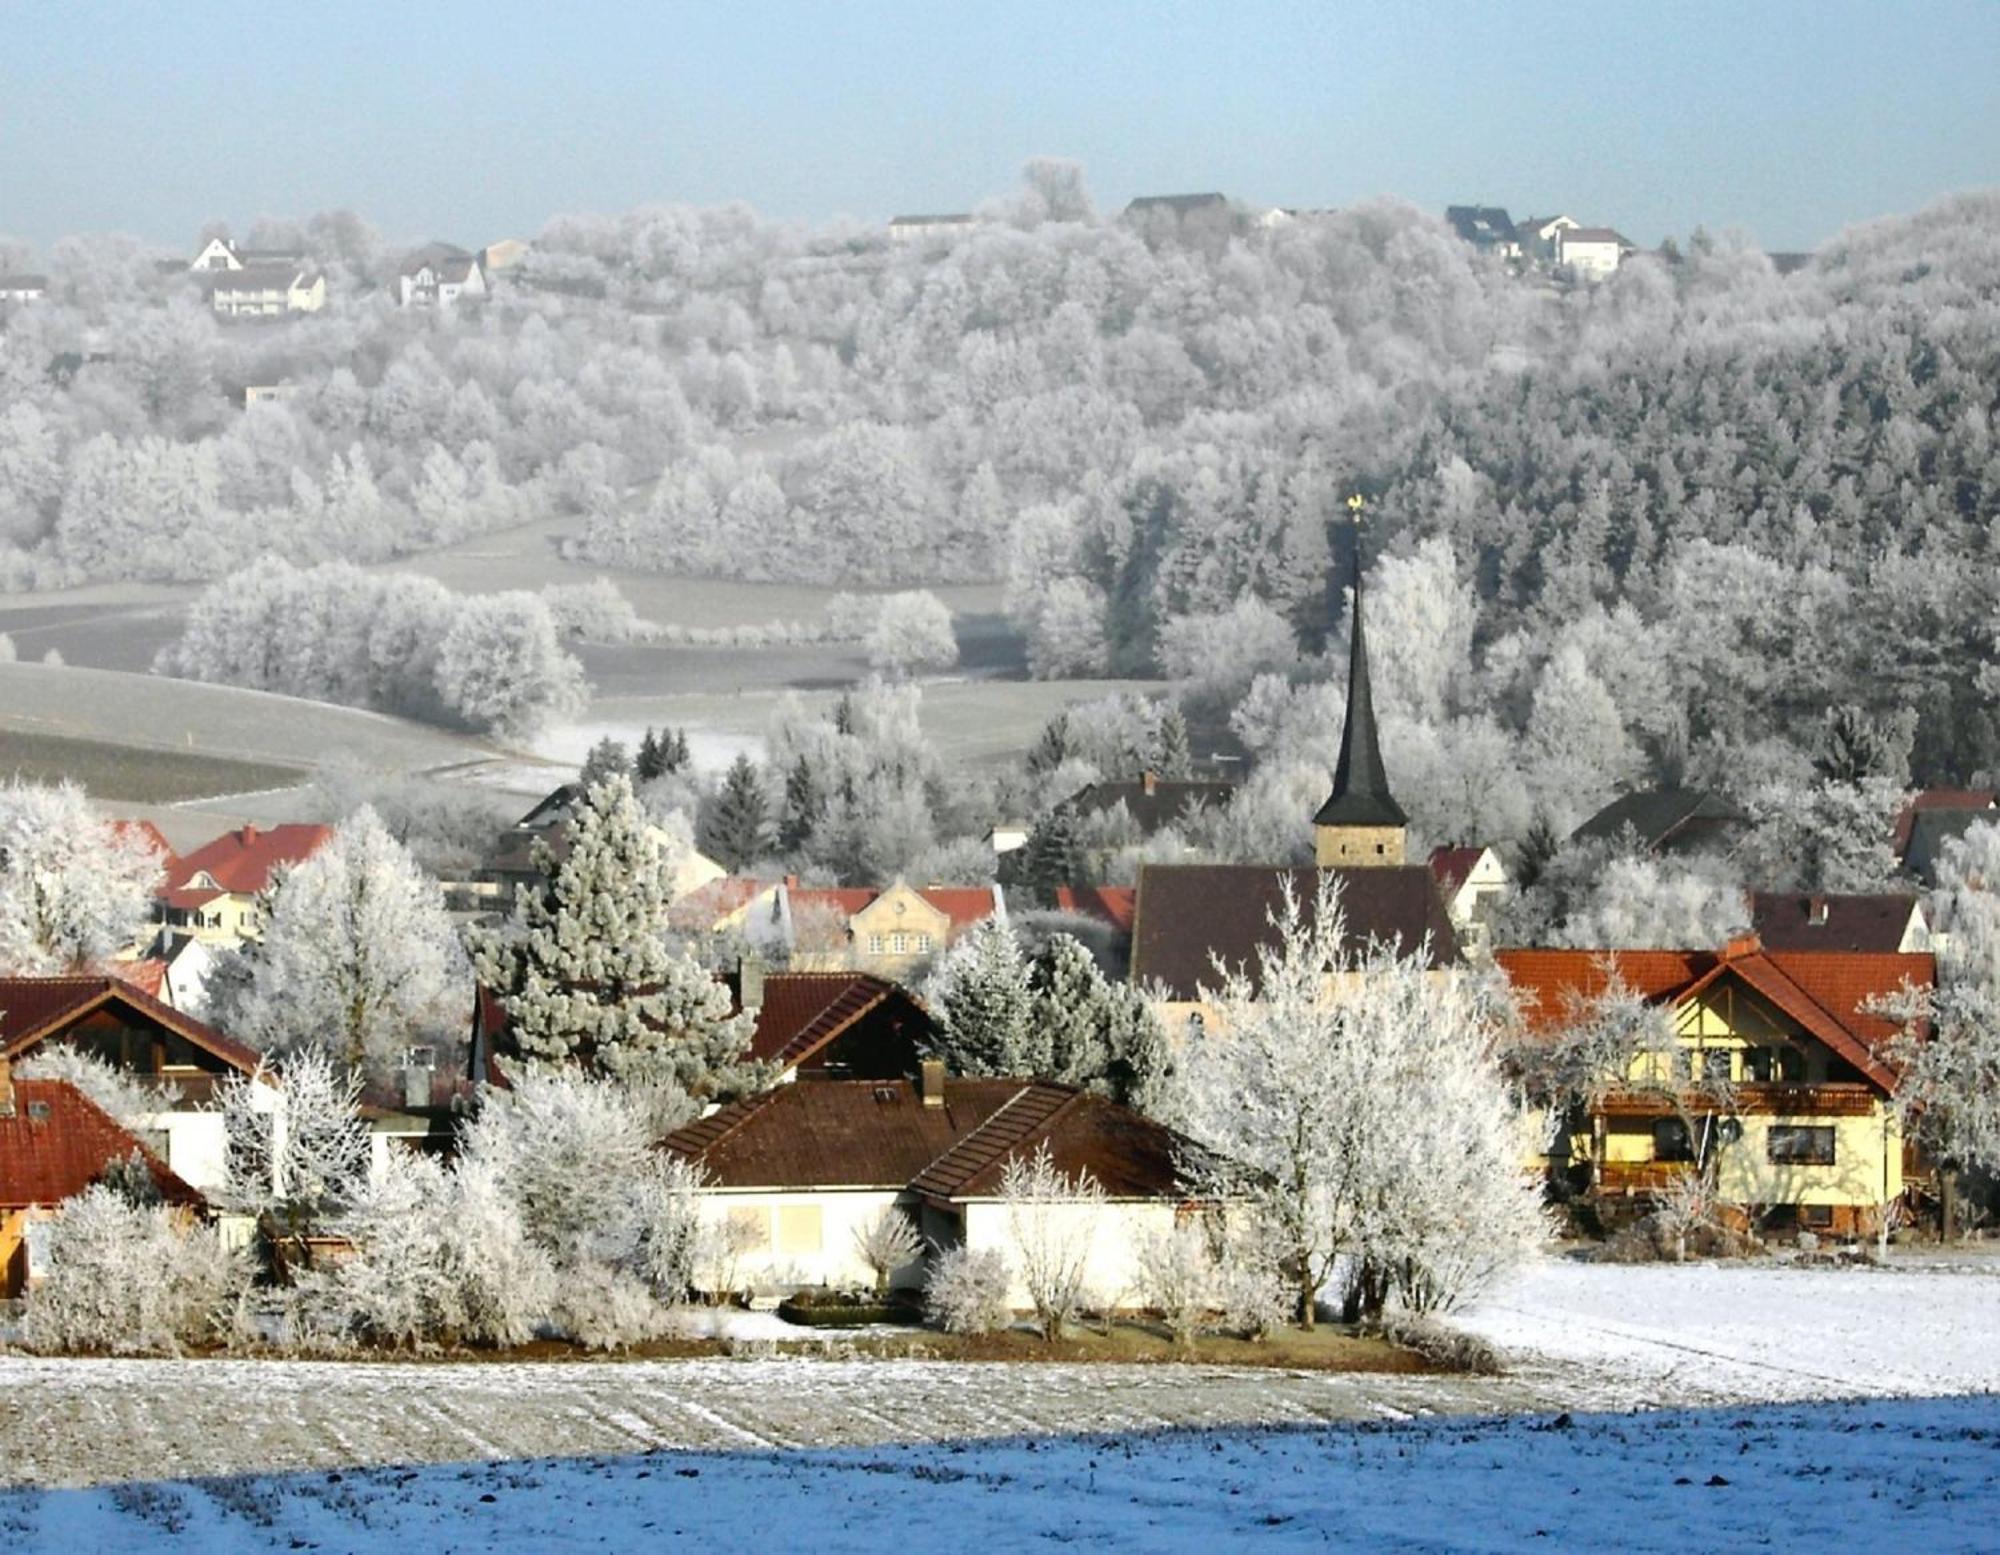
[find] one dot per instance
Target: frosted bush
(1251, 1291)
(132, 1279)
(886, 1243)
(967, 1291)
(1178, 1278)
(607, 1309)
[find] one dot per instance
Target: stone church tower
(1360, 825)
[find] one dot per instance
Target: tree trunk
(1948, 1202)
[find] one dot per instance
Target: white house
(221, 254)
(796, 1173)
(1538, 235)
(1473, 883)
(1592, 253)
(439, 275)
(23, 288)
(930, 229)
(266, 291)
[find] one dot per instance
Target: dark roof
(1824, 991)
(955, 219)
(24, 283)
(1360, 794)
(552, 807)
(1153, 803)
(1666, 820)
(879, 1134)
(56, 1142)
(1179, 204)
(1485, 226)
(804, 1012)
(252, 278)
(33, 1009)
(1932, 830)
(1597, 235)
(1188, 914)
(1942, 799)
(1791, 921)
(1450, 866)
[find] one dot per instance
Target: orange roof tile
(241, 861)
(1112, 904)
(57, 1142)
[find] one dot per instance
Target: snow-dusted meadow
(607, 1454)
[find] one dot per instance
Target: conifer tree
(651, 761)
(1099, 1034)
(674, 752)
(1172, 756)
(739, 828)
(804, 807)
(980, 993)
(606, 758)
(586, 975)
(1053, 748)
(1051, 857)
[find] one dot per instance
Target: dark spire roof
(1360, 794)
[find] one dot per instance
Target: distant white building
(929, 229)
(222, 254)
(439, 275)
(1592, 253)
(23, 288)
(265, 291)
(1538, 235)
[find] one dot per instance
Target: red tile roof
(1451, 866)
(33, 1009)
(148, 974)
(803, 1012)
(963, 905)
(1112, 904)
(1824, 991)
(241, 861)
(57, 1142)
(149, 834)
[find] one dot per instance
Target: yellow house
(215, 894)
(1788, 1091)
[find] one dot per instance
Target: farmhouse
(54, 1143)
(1592, 253)
(114, 1021)
(1784, 1088)
(439, 275)
(891, 932)
(213, 893)
(797, 1172)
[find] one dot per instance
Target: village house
(833, 1025)
(215, 893)
(1592, 253)
(1539, 235)
(512, 865)
(1881, 923)
(1668, 821)
(55, 1142)
(1934, 819)
(1783, 1091)
(796, 1173)
(265, 291)
(1112, 905)
(220, 254)
(115, 1021)
(23, 288)
(1487, 228)
(439, 275)
(1473, 883)
(893, 932)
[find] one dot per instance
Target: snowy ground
(1888, 1476)
(571, 1455)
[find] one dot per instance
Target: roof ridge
(986, 1144)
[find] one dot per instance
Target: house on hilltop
(439, 275)
(930, 229)
(213, 893)
(1487, 228)
(265, 291)
(1593, 253)
(21, 288)
(221, 254)
(1783, 1089)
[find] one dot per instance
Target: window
(1800, 1144)
(874, 944)
(1670, 1141)
(923, 944)
(899, 944)
(1715, 1064)
(1816, 1217)
(799, 1229)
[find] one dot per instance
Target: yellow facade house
(1788, 1092)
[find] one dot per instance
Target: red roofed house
(212, 893)
(112, 1020)
(833, 1025)
(892, 932)
(1804, 1134)
(1112, 904)
(795, 1172)
(54, 1143)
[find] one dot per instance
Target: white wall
(805, 1238)
(1113, 1233)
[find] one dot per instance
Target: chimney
(1741, 946)
(249, 834)
(791, 882)
(1150, 782)
(750, 983)
(930, 1081)
(6, 1089)
(1816, 912)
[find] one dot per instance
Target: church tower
(1360, 825)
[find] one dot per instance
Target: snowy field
(575, 1455)
(1880, 1476)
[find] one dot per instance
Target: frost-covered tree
(295, 1141)
(1356, 1102)
(886, 1244)
(585, 969)
(1643, 903)
(966, 1291)
(607, 759)
(1173, 758)
(984, 1007)
(74, 889)
(502, 667)
(1051, 1218)
(911, 633)
(119, 1092)
(358, 956)
(1100, 1035)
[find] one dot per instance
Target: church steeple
(1360, 824)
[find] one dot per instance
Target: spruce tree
(1100, 1035)
(1053, 748)
(585, 973)
(739, 829)
(651, 762)
(1051, 857)
(1173, 758)
(981, 997)
(674, 752)
(804, 807)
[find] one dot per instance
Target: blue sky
(471, 122)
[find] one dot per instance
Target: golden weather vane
(1355, 505)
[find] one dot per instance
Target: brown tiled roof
(1928, 799)
(1451, 866)
(241, 861)
(804, 1011)
(148, 974)
(1824, 991)
(58, 1142)
(879, 1134)
(1794, 921)
(33, 1009)
(1166, 802)
(1187, 914)
(1112, 904)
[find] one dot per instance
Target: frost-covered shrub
(1252, 1292)
(1050, 1216)
(967, 1291)
(1448, 1348)
(134, 1280)
(607, 1309)
(886, 1243)
(668, 1252)
(1178, 1278)
(595, 611)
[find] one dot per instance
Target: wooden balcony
(1634, 1178)
(1832, 1100)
